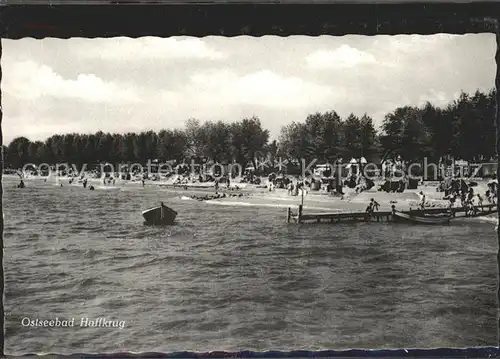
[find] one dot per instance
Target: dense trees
(464, 129)
(405, 133)
(325, 136)
(18, 151)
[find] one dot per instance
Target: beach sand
(257, 196)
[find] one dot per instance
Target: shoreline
(258, 195)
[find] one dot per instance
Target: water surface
(235, 278)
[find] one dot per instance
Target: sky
(55, 86)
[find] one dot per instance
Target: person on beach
(494, 187)
(470, 195)
(21, 184)
(216, 185)
(479, 200)
(362, 185)
(463, 197)
(85, 183)
(452, 199)
(143, 182)
(487, 194)
(492, 197)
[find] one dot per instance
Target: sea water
(235, 277)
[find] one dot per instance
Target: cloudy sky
(118, 85)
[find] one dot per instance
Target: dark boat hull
(422, 220)
(156, 217)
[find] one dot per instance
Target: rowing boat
(160, 215)
(422, 219)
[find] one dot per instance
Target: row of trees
(215, 141)
(463, 129)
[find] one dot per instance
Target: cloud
(437, 98)
(153, 48)
(122, 84)
(342, 57)
(262, 88)
(30, 80)
(413, 43)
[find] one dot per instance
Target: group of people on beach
(458, 189)
(217, 183)
(293, 189)
(216, 196)
(108, 180)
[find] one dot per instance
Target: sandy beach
(251, 195)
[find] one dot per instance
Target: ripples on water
(236, 278)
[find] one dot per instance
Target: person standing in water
(372, 206)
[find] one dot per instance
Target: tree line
(463, 129)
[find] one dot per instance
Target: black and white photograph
(249, 193)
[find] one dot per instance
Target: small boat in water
(422, 219)
(160, 215)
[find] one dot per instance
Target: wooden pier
(383, 216)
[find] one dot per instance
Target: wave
(180, 259)
(492, 220)
(90, 282)
(91, 253)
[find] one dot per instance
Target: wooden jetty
(385, 216)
